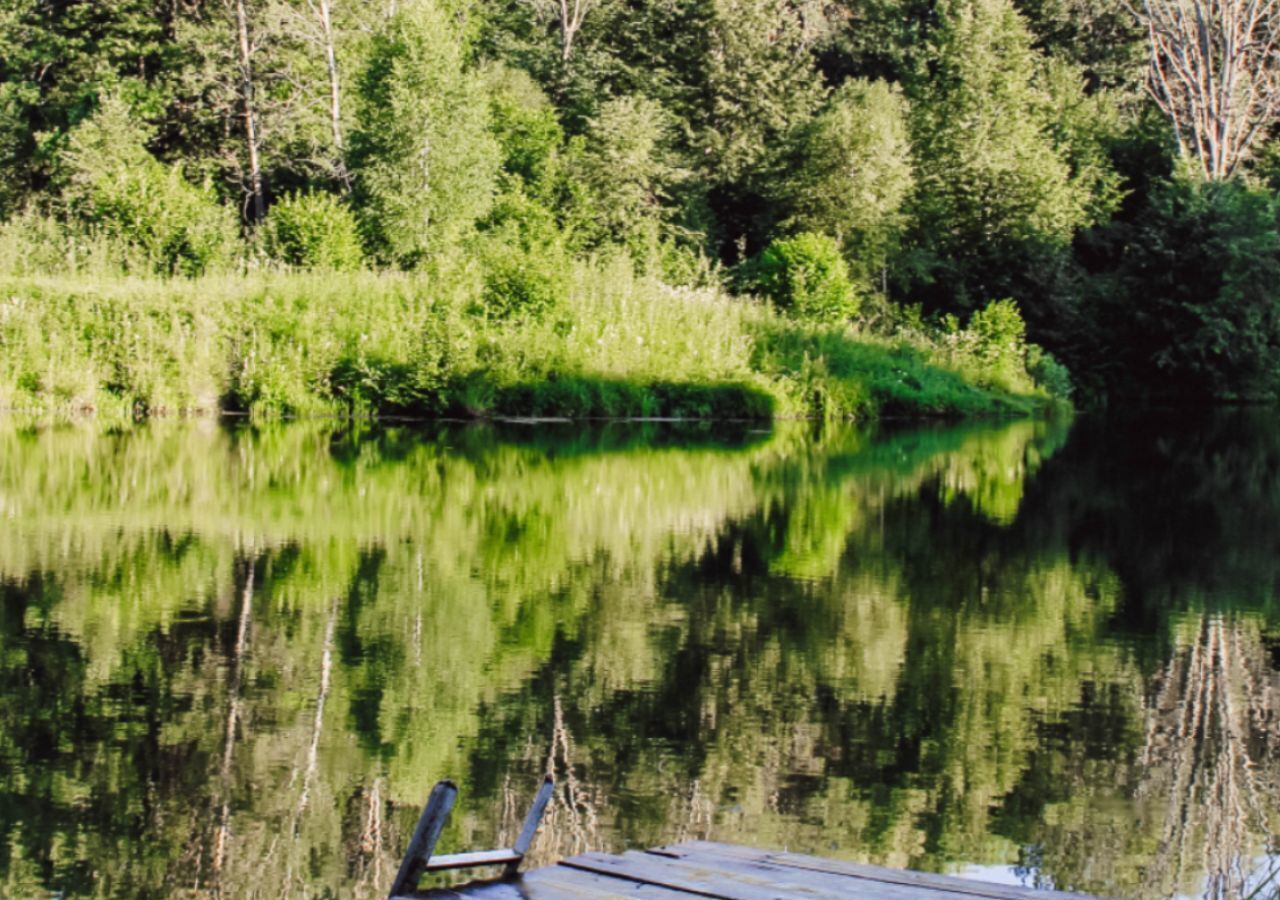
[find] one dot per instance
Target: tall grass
(90, 337)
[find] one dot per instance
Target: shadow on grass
(811, 370)
(839, 377)
(578, 396)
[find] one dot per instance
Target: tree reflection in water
(1211, 754)
(233, 661)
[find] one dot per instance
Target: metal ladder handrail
(418, 859)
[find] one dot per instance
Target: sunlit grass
(617, 344)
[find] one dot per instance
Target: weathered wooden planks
(554, 883)
(899, 877)
(730, 872)
(735, 878)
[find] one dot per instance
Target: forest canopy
(893, 165)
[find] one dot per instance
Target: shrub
(993, 345)
(1048, 373)
(114, 183)
(1190, 306)
(520, 281)
(313, 230)
(999, 335)
(805, 275)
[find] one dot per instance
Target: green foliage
(113, 181)
(956, 151)
(999, 334)
(56, 61)
(1186, 304)
(851, 174)
(1104, 41)
(998, 339)
(759, 82)
(525, 124)
(618, 174)
(424, 160)
(521, 280)
(1048, 373)
(531, 331)
(992, 347)
(805, 275)
(999, 168)
(313, 230)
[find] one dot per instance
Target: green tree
(424, 161)
(851, 174)
(997, 171)
(1188, 307)
(618, 173)
(524, 122)
(758, 82)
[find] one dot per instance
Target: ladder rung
(471, 860)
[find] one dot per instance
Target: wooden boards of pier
(731, 872)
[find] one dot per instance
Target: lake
(235, 658)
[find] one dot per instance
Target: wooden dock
(705, 869)
(692, 869)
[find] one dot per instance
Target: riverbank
(614, 344)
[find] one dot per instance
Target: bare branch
(1215, 72)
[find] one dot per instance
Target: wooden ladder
(418, 860)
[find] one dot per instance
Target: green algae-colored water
(233, 660)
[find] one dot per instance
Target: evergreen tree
(759, 82)
(56, 59)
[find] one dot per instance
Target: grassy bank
(616, 344)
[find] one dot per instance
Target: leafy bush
(999, 335)
(805, 275)
(513, 288)
(1188, 307)
(1048, 373)
(520, 281)
(993, 345)
(313, 230)
(113, 182)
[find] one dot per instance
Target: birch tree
(311, 35)
(568, 16)
(1214, 72)
(424, 163)
(249, 109)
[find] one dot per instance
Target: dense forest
(653, 206)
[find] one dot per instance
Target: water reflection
(233, 661)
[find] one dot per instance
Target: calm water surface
(234, 660)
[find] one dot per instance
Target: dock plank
(735, 879)
(902, 877)
(552, 883)
(471, 860)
